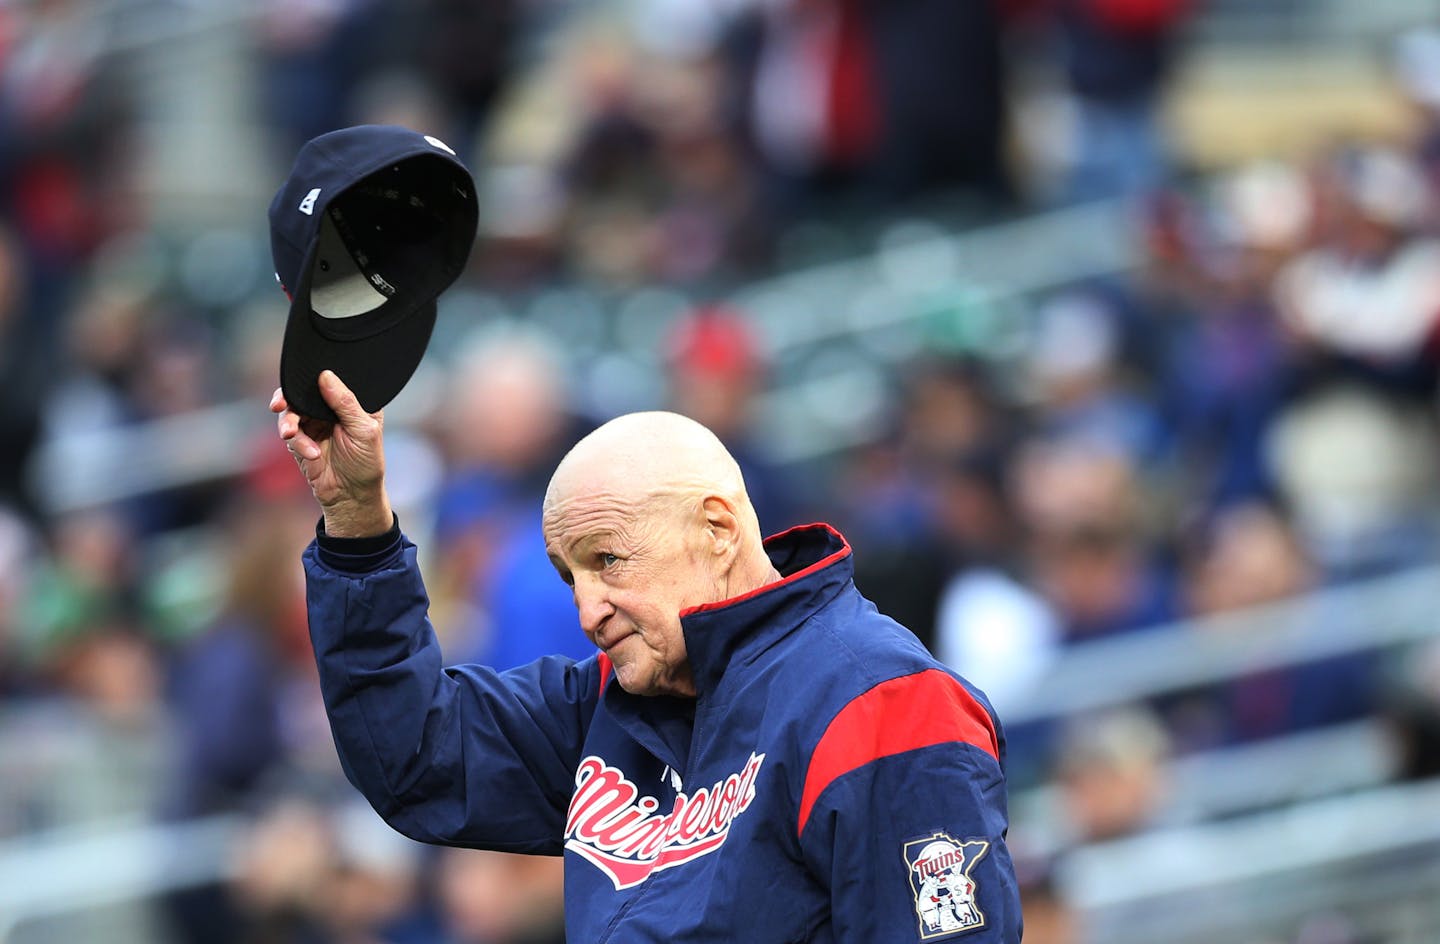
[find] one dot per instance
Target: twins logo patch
(939, 868)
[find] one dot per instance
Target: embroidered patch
(939, 869)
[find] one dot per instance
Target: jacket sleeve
(903, 817)
(462, 755)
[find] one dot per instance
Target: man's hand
(344, 462)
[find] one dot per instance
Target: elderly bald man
(753, 755)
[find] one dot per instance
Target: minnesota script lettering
(625, 836)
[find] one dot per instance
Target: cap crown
(373, 223)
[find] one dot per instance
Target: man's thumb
(340, 399)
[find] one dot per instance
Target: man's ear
(722, 524)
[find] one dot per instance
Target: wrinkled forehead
(582, 487)
(567, 516)
(571, 516)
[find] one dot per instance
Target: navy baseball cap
(373, 223)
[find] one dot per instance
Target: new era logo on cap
(386, 220)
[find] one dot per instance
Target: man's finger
(299, 442)
(304, 446)
(277, 402)
(288, 423)
(340, 399)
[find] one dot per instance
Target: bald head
(645, 518)
(642, 457)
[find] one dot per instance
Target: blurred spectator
(1049, 919)
(611, 172)
(175, 371)
(1249, 557)
(94, 753)
(1416, 65)
(811, 100)
(716, 373)
(301, 95)
(940, 76)
(98, 748)
(331, 874)
(882, 511)
(1229, 363)
(64, 114)
(972, 513)
(949, 416)
(1371, 290)
(332, 63)
(501, 898)
(87, 579)
(506, 425)
(1355, 448)
(1118, 55)
(465, 51)
(113, 669)
(711, 224)
(174, 374)
(657, 186)
(247, 709)
(1111, 773)
(1091, 559)
(952, 407)
(1075, 367)
(855, 105)
(280, 871)
(64, 175)
(18, 554)
(989, 626)
(232, 686)
(398, 97)
(997, 633)
(314, 54)
(105, 339)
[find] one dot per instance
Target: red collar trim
(796, 577)
(607, 669)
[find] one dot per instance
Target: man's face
(633, 567)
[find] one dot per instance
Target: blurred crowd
(1247, 416)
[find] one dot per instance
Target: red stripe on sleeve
(902, 714)
(606, 668)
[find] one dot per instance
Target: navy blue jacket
(831, 781)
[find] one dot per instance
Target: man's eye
(609, 560)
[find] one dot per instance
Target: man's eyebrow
(589, 539)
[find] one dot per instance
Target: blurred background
(1104, 329)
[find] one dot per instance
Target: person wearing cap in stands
(716, 372)
(755, 754)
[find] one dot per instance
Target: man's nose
(592, 602)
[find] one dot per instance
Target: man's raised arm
(460, 755)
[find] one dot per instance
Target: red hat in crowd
(714, 340)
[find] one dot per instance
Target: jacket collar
(814, 563)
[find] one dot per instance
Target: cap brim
(375, 368)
